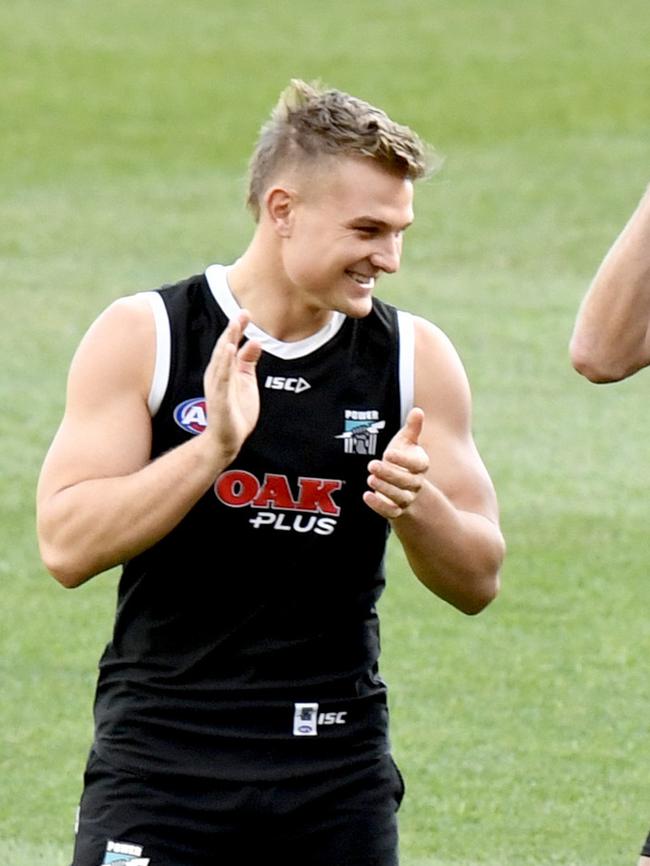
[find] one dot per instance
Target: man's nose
(388, 254)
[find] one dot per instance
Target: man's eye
(367, 230)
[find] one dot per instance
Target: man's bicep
(442, 391)
(109, 444)
(457, 469)
(106, 428)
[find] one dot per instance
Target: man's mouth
(363, 280)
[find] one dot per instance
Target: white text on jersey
(287, 383)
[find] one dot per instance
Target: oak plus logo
(307, 506)
(287, 383)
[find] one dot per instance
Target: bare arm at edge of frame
(100, 499)
(433, 486)
(611, 337)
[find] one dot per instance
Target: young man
(248, 488)
(611, 338)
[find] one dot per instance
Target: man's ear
(279, 203)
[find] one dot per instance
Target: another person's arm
(611, 338)
(434, 488)
(101, 500)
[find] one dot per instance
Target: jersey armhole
(160, 378)
(406, 362)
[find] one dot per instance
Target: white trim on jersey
(217, 277)
(406, 362)
(160, 378)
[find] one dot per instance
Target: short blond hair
(309, 121)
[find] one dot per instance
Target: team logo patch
(361, 430)
(124, 854)
(191, 415)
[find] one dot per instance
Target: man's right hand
(231, 392)
(101, 499)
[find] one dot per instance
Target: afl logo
(191, 415)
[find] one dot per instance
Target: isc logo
(283, 383)
(332, 718)
(306, 719)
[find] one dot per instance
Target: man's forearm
(456, 554)
(96, 524)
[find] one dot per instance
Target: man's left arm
(433, 486)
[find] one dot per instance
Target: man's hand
(231, 393)
(397, 478)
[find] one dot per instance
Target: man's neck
(259, 285)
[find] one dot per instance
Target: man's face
(347, 223)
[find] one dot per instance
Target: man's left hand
(397, 478)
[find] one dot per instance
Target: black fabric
(265, 594)
(324, 820)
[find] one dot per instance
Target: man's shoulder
(188, 285)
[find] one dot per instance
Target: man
(248, 488)
(611, 338)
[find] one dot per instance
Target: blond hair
(309, 121)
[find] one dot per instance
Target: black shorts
(326, 820)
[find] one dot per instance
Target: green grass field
(126, 128)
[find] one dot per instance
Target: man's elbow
(481, 597)
(597, 366)
(62, 568)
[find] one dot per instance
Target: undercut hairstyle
(309, 122)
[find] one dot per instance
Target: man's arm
(611, 338)
(100, 499)
(433, 486)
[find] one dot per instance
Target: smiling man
(242, 442)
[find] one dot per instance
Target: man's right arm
(101, 500)
(611, 338)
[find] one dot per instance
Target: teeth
(364, 281)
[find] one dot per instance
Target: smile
(363, 280)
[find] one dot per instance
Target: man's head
(310, 123)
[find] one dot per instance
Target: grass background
(126, 127)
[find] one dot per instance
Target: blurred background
(125, 133)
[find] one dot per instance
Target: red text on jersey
(238, 488)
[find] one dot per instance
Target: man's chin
(358, 308)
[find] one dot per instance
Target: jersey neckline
(217, 278)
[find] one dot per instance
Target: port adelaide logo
(360, 432)
(124, 854)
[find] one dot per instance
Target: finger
(243, 320)
(234, 330)
(384, 507)
(396, 495)
(395, 475)
(231, 336)
(411, 458)
(249, 355)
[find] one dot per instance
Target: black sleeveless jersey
(246, 642)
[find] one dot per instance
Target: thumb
(412, 429)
